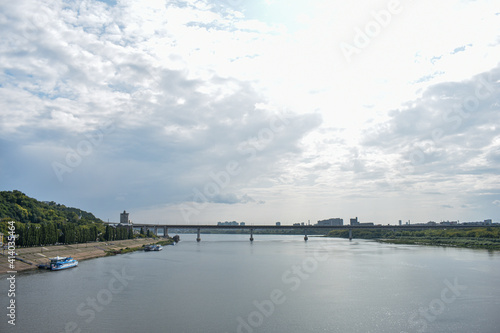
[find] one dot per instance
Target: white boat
(58, 263)
(153, 247)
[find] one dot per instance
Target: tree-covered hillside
(46, 223)
(17, 206)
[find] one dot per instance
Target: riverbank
(486, 238)
(29, 257)
(471, 243)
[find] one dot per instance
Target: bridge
(164, 227)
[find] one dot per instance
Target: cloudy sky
(198, 111)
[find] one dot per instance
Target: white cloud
(193, 85)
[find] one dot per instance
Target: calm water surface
(275, 284)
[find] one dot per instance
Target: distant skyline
(200, 111)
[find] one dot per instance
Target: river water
(277, 283)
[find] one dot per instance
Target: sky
(256, 111)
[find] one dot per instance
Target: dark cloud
(451, 125)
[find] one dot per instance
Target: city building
(448, 222)
(354, 221)
(331, 222)
(278, 224)
(231, 223)
(488, 222)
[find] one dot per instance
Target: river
(278, 283)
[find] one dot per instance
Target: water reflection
(276, 283)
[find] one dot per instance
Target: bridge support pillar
(165, 232)
(251, 235)
(350, 234)
(156, 231)
(305, 235)
(198, 238)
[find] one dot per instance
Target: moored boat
(153, 247)
(58, 263)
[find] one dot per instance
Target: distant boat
(153, 247)
(58, 263)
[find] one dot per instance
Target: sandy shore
(29, 258)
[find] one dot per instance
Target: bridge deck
(311, 227)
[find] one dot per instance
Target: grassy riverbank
(169, 241)
(29, 257)
(454, 242)
(477, 238)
